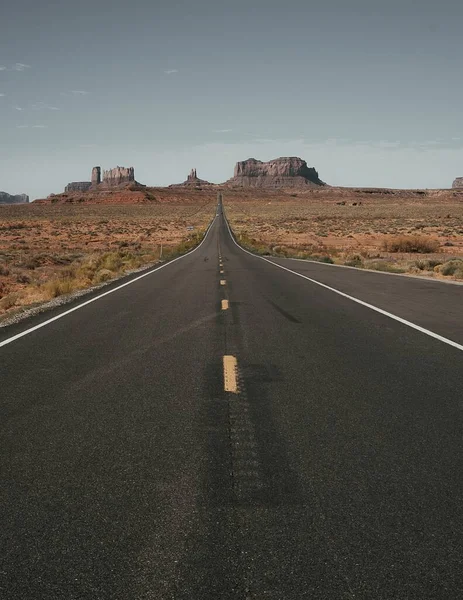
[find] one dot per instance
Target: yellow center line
(230, 378)
(224, 304)
(221, 270)
(222, 282)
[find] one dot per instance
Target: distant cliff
(279, 173)
(458, 182)
(17, 199)
(78, 186)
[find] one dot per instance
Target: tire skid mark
(247, 474)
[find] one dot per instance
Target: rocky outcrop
(96, 175)
(78, 186)
(13, 199)
(192, 181)
(118, 175)
(111, 178)
(458, 183)
(285, 172)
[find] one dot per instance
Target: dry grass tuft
(47, 251)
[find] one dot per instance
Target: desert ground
(53, 249)
(72, 242)
(418, 232)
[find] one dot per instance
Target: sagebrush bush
(9, 301)
(451, 267)
(354, 261)
(426, 265)
(384, 266)
(103, 275)
(411, 243)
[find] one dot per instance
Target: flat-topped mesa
(6, 198)
(458, 183)
(118, 175)
(78, 186)
(278, 173)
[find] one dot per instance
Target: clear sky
(367, 91)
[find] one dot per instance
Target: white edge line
(375, 271)
(375, 308)
(119, 287)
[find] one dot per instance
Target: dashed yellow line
(224, 304)
(230, 379)
(222, 282)
(221, 271)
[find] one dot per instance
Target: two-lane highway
(223, 428)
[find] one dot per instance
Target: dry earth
(74, 241)
(357, 227)
(47, 250)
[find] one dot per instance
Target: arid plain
(418, 232)
(50, 250)
(79, 241)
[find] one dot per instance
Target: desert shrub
(31, 263)
(58, 287)
(23, 278)
(13, 226)
(354, 261)
(9, 301)
(103, 275)
(111, 261)
(412, 243)
(4, 270)
(59, 259)
(384, 266)
(451, 267)
(426, 265)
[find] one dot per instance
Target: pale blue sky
(368, 92)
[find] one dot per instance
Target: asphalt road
(334, 471)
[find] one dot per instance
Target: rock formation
(291, 172)
(13, 199)
(458, 182)
(111, 178)
(78, 186)
(96, 175)
(118, 175)
(192, 181)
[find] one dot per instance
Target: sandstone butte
(111, 178)
(458, 183)
(284, 172)
(13, 199)
(192, 181)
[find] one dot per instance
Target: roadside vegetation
(416, 237)
(448, 268)
(62, 251)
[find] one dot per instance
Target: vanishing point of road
(225, 428)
